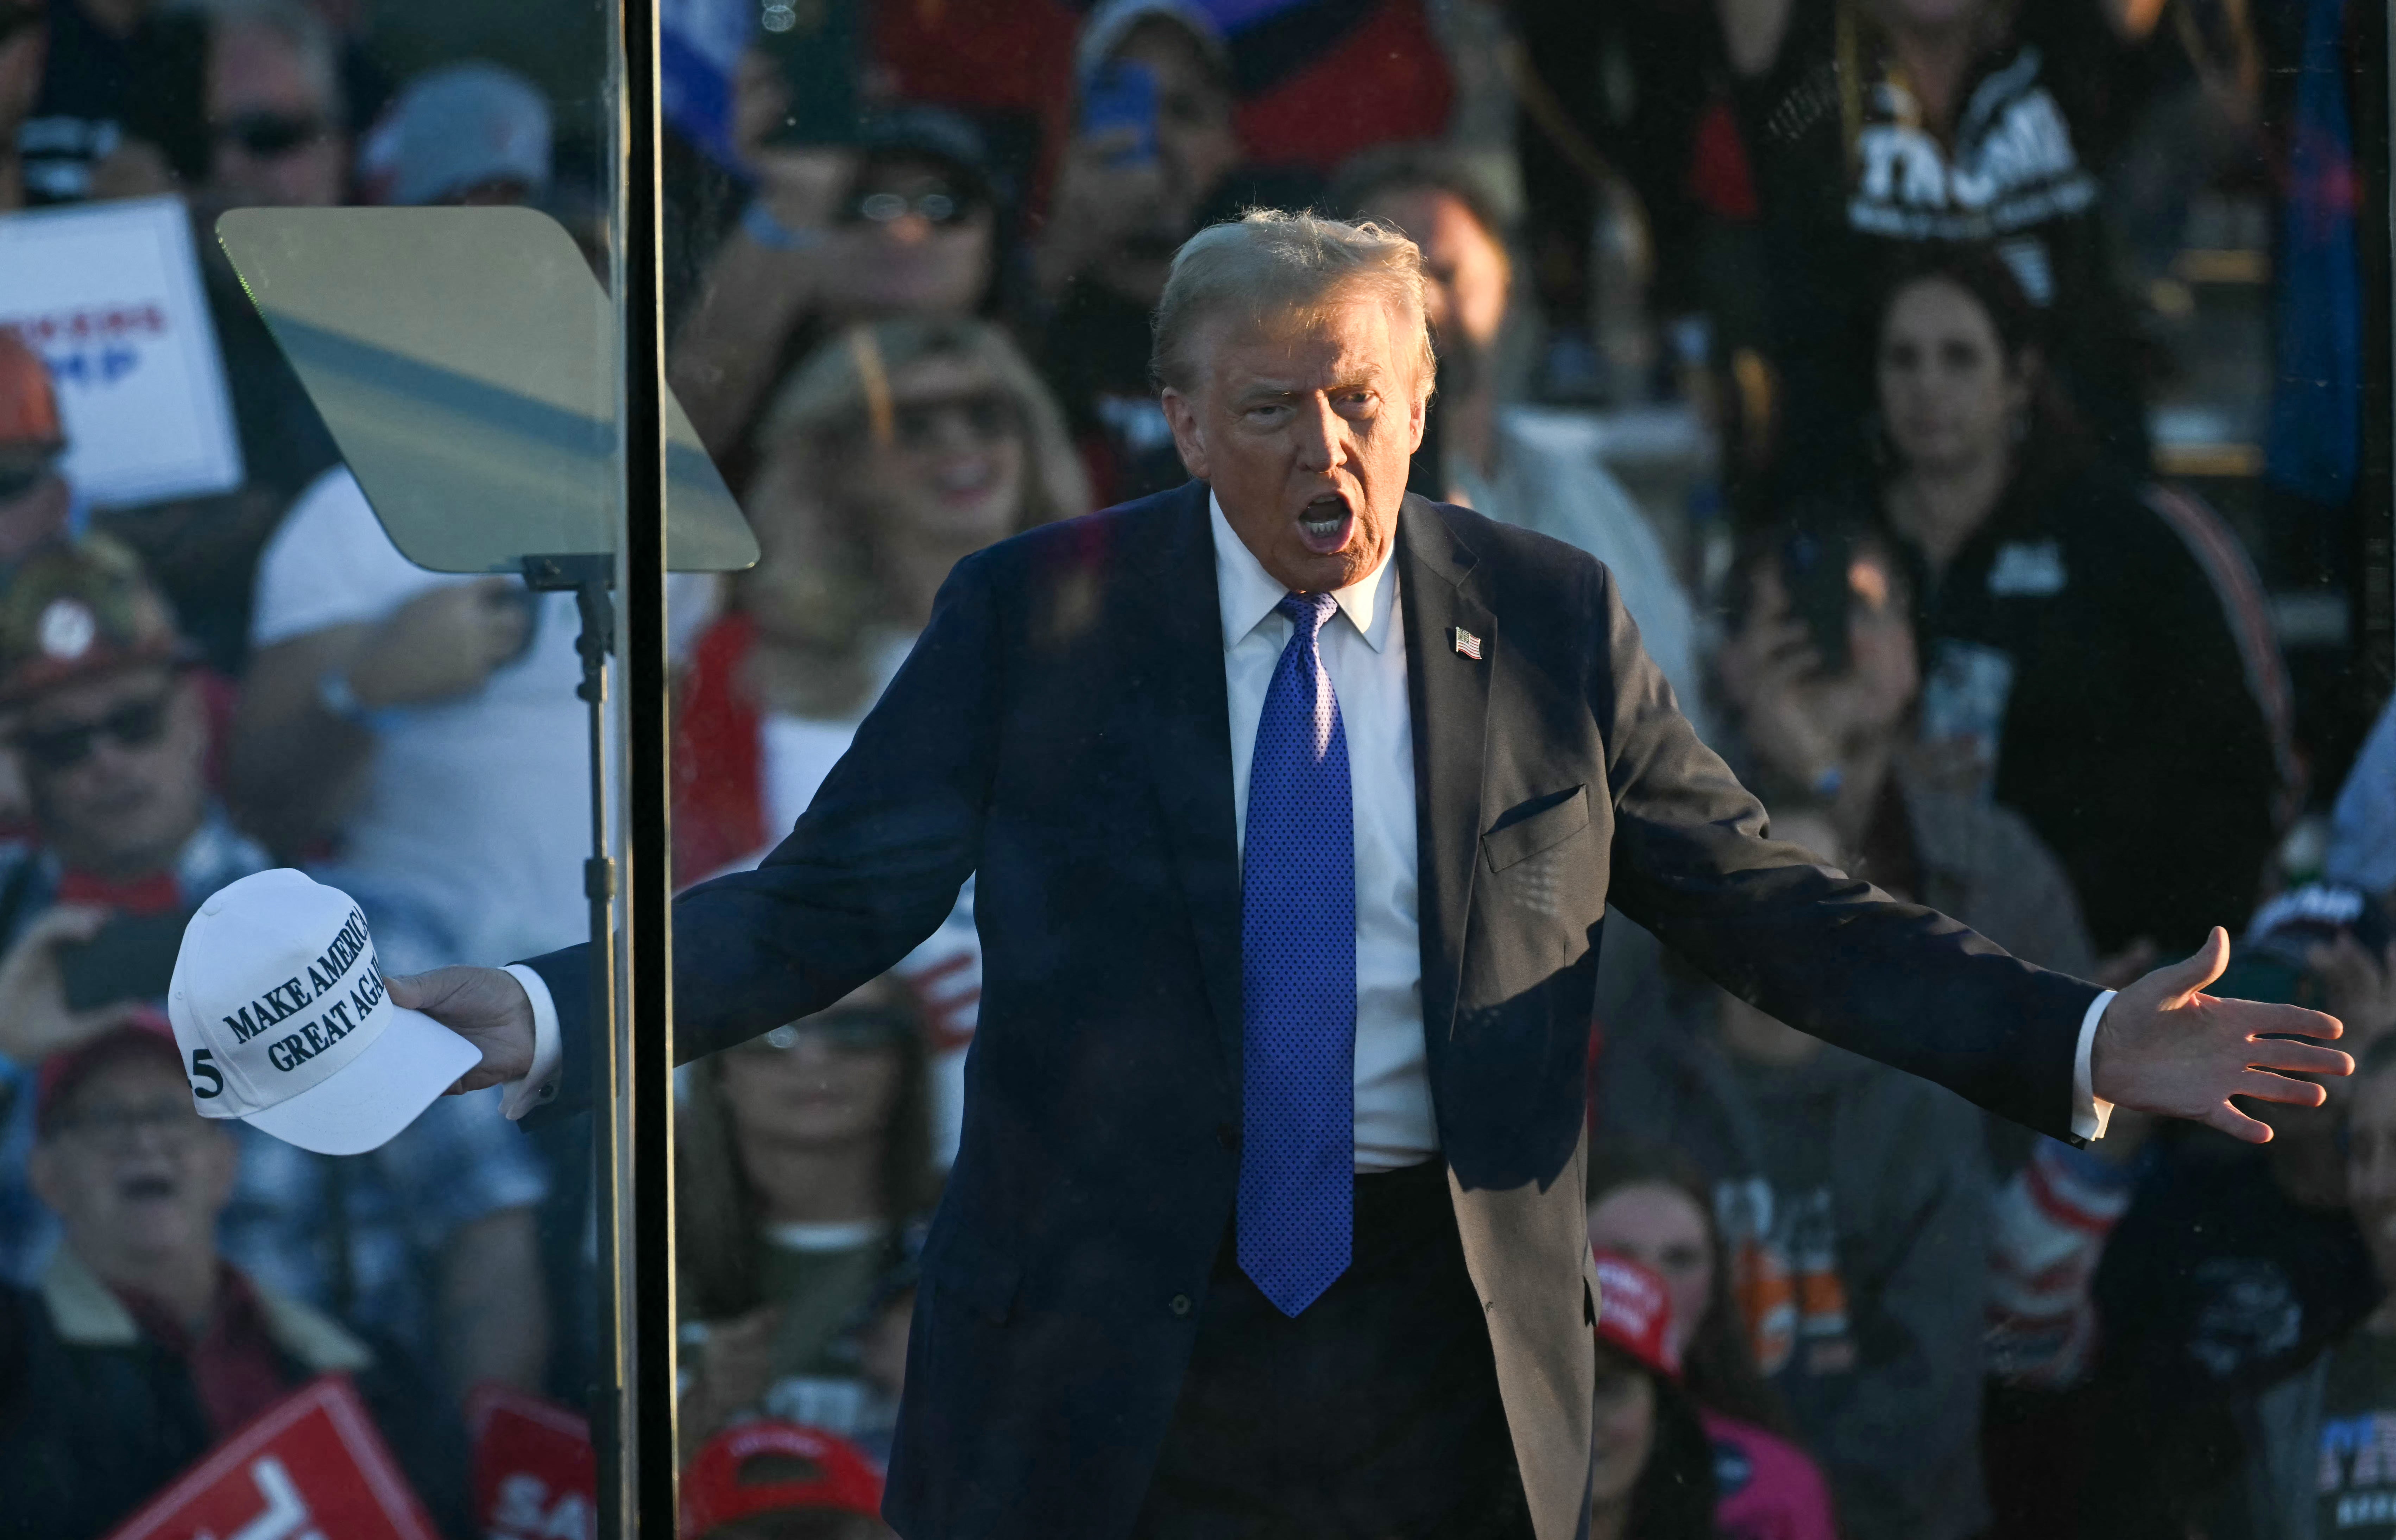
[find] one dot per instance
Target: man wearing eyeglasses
(108, 722)
(141, 1345)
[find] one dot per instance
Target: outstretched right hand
(486, 1006)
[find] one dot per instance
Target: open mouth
(142, 1190)
(1325, 524)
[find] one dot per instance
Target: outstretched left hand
(2165, 1046)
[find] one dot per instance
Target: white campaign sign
(109, 294)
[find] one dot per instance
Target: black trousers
(1372, 1416)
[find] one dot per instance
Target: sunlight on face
(1305, 431)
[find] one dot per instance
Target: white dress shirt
(1366, 658)
(1363, 649)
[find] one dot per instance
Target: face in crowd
(830, 1081)
(274, 119)
(948, 471)
(1470, 277)
(1950, 398)
(930, 243)
(1305, 427)
(116, 766)
(1658, 1226)
(952, 471)
(1196, 146)
(135, 1176)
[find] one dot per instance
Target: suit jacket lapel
(1189, 738)
(1447, 696)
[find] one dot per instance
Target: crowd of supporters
(1862, 339)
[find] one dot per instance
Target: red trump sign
(309, 1467)
(535, 1476)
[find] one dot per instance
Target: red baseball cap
(1634, 1313)
(148, 1035)
(770, 1466)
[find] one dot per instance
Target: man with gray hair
(1295, 804)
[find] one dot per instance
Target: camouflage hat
(76, 608)
(29, 406)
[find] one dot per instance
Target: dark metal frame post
(633, 1124)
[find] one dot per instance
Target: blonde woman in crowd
(895, 449)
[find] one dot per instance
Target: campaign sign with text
(536, 1475)
(109, 294)
(310, 1466)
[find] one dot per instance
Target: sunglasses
(985, 415)
(265, 136)
(135, 724)
(19, 479)
(886, 209)
(859, 1031)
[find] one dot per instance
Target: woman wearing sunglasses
(803, 1155)
(903, 222)
(894, 451)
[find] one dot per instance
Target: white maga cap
(280, 1013)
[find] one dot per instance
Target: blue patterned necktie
(1298, 981)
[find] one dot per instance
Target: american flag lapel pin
(1466, 642)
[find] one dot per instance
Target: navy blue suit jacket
(1061, 731)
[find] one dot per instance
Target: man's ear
(1189, 435)
(1419, 421)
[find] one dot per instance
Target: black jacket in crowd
(96, 1418)
(2144, 733)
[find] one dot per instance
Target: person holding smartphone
(896, 218)
(1154, 155)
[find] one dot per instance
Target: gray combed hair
(1271, 265)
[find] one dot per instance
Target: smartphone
(1124, 96)
(132, 958)
(1814, 570)
(820, 46)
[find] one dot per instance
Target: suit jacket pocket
(1541, 824)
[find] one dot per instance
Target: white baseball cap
(280, 1013)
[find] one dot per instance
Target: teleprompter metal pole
(646, 1239)
(633, 1410)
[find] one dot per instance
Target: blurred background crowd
(1978, 401)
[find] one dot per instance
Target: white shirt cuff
(539, 1083)
(2089, 1115)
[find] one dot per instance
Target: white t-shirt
(480, 803)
